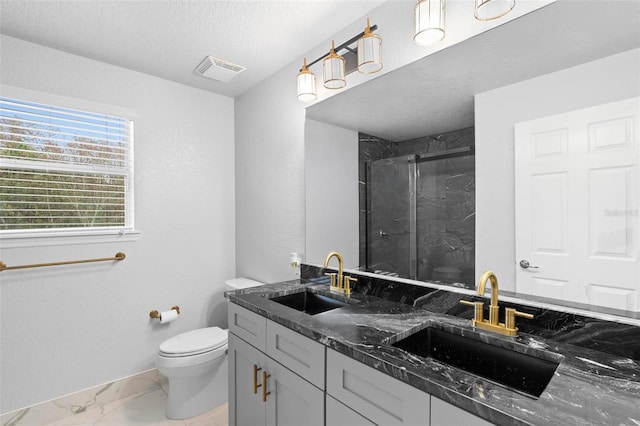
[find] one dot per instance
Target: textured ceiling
(170, 38)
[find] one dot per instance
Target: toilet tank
(240, 283)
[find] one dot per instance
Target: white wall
(269, 179)
(606, 80)
(331, 193)
(67, 328)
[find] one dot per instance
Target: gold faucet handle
(333, 279)
(478, 312)
(347, 281)
(510, 315)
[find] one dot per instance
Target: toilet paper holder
(155, 314)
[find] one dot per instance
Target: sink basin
(518, 371)
(309, 303)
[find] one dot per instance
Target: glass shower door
(446, 218)
(391, 208)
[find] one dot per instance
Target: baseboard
(79, 402)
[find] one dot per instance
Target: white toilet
(195, 363)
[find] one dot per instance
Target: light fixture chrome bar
(342, 46)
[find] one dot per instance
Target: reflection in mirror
(419, 199)
(489, 83)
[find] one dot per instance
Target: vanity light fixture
(306, 84)
(369, 51)
(429, 22)
(487, 10)
(334, 69)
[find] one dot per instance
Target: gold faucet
(507, 328)
(339, 283)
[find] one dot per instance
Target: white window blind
(63, 169)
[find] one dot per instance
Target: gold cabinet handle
(265, 376)
(255, 378)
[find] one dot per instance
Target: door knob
(524, 264)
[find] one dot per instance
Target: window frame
(58, 236)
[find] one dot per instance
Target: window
(63, 169)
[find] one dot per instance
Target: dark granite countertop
(593, 384)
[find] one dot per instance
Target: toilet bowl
(195, 363)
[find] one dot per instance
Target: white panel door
(577, 206)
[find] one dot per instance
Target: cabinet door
(245, 407)
(340, 415)
(445, 414)
(385, 400)
(291, 400)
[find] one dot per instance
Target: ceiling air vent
(217, 69)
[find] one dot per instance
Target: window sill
(43, 239)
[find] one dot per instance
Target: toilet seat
(194, 342)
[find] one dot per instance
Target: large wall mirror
(567, 56)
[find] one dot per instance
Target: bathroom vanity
(277, 374)
(298, 351)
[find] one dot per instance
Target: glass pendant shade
(487, 10)
(334, 70)
(369, 51)
(429, 22)
(306, 84)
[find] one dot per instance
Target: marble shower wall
(444, 216)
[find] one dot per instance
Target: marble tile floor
(143, 409)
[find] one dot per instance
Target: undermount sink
(518, 371)
(309, 303)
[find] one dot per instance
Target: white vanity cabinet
(245, 365)
(261, 390)
(338, 414)
(298, 353)
(249, 326)
(445, 414)
(378, 397)
(277, 377)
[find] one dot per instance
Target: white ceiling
(169, 38)
(435, 94)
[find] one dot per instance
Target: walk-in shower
(419, 219)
